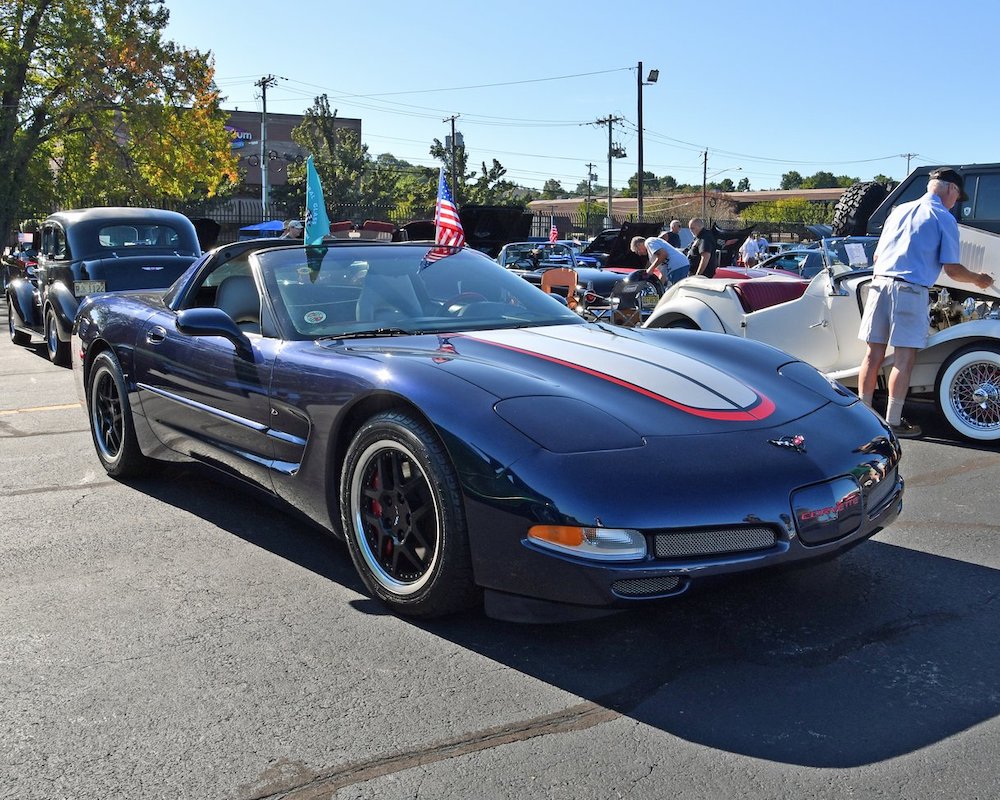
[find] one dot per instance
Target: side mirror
(212, 322)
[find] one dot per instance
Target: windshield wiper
(367, 334)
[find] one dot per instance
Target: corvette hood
(656, 382)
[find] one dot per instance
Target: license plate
(82, 288)
(650, 301)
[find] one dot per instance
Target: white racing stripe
(673, 376)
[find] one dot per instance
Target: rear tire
(683, 323)
(16, 336)
(57, 349)
(111, 423)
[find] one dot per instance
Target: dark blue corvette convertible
(471, 438)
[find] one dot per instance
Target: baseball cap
(294, 223)
(950, 176)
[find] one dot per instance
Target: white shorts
(896, 313)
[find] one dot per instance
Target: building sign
(241, 138)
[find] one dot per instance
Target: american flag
(553, 233)
(448, 230)
(447, 225)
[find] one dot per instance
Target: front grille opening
(714, 541)
(647, 587)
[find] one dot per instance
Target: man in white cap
(294, 229)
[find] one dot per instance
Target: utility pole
(908, 156)
(613, 152)
(454, 173)
(264, 83)
(590, 177)
(704, 184)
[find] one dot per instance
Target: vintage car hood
(603, 280)
(698, 383)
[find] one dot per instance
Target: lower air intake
(646, 587)
(713, 541)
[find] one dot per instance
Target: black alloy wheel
(111, 423)
(403, 517)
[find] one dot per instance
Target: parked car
(450, 422)
(804, 263)
(94, 250)
(598, 292)
(817, 321)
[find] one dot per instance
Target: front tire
(968, 392)
(403, 518)
(57, 349)
(16, 336)
(111, 423)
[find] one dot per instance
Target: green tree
(486, 187)
(668, 183)
(552, 189)
(650, 184)
(92, 88)
(791, 180)
(341, 160)
(792, 210)
(889, 183)
(743, 185)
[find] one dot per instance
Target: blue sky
(848, 87)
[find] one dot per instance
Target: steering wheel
(524, 263)
(456, 304)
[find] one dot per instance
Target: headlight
(600, 544)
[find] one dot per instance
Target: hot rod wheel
(968, 391)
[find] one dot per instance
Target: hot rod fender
(21, 295)
(64, 304)
(689, 308)
(942, 344)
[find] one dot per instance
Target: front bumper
(718, 521)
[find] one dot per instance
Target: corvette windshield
(354, 290)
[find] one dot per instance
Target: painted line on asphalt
(8, 411)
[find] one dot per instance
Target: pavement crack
(324, 784)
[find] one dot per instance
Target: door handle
(156, 334)
(820, 324)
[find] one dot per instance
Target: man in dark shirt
(674, 234)
(702, 255)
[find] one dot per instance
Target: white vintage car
(817, 320)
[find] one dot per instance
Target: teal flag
(317, 222)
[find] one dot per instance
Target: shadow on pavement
(874, 655)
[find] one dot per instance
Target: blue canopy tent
(262, 230)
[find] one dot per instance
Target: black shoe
(904, 430)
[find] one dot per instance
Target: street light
(705, 179)
(654, 75)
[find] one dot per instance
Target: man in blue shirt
(919, 239)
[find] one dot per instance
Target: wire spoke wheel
(968, 392)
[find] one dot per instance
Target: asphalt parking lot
(179, 638)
